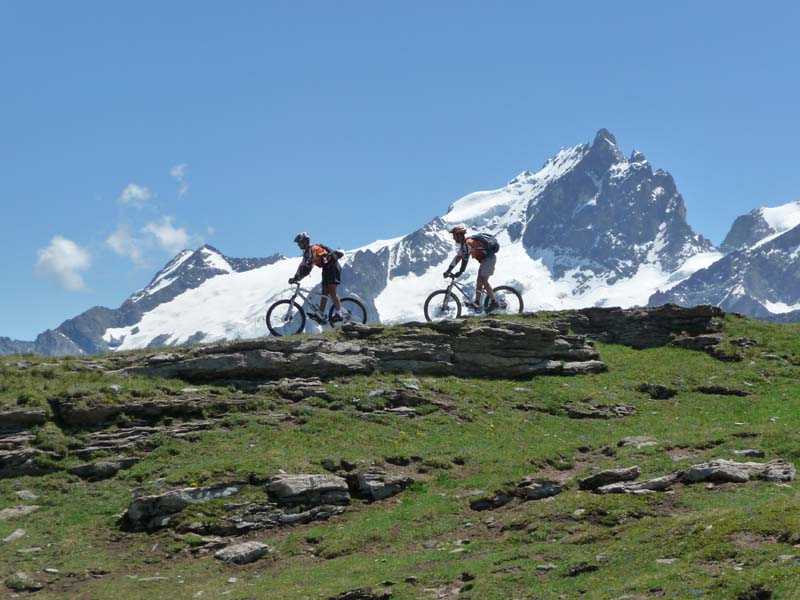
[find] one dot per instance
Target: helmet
(301, 237)
(458, 229)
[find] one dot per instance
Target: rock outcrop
(645, 327)
(488, 348)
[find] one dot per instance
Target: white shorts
(487, 266)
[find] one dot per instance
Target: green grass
(471, 440)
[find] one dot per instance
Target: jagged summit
(604, 136)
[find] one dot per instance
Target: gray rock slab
(152, 512)
(609, 476)
(309, 489)
(243, 553)
(18, 511)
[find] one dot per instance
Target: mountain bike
(444, 304)
(287, 317)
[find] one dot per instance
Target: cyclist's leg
(481, 281)
(323, 302)
(487, 270)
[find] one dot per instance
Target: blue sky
(130, 130)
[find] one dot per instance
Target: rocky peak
(756, 226)
(604, 149)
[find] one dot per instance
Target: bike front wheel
(442, 305)
(508, 299)
(285, 317)
(352, 312)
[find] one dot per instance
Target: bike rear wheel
(285, 317)
(509, 299)
(352, 312)
(441, 305)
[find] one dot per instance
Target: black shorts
(331, 274)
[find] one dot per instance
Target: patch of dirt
(751, 539)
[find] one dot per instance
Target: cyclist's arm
(305, 267)
(461, 256)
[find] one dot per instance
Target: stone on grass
(310, 489)
(640, 441)
(14, 536)
(243, 553)
(657, 391)
(659, 484)
(538, 491)
(608, 477)
(154, 512)
(376, 484)
(17, 511)
(722, 471)
(26, 496)
(22, 582)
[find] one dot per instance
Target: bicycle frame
(305, 295)
(453, 283)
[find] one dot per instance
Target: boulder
(243, 553)
(721, 471)
(311, 490)
(17, 511)
(659, 484)
(375, 484)
(154, 512)
(538, 491)
(609, 476)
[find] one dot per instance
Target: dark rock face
(644, 327)
(610, 211)
(489, 348)
(746, 280)
(746, 231)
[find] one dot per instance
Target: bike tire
(508, 295)
(438, 306)
(353, 311)
(274, 317)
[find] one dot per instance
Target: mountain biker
(327, 260)
(479, 250)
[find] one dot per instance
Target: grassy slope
(725, 540)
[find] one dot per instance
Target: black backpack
(491, 243)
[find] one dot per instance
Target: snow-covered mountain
(760, 275)
(591, 227)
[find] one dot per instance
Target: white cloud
(124, 244)
(179, 173)
(170, 238)
(63, 260)
(135, 195)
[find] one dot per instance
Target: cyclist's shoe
(493, 305)
(336, 317)
(322, 320)
(472, 305)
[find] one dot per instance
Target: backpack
(336, 254)
(488, 240)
